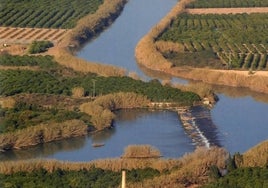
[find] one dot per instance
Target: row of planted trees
(227, 3)
(59, 14)
(229, 36)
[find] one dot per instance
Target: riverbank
(42, 133)
(147, 54)
(191, 170)
(88, 28)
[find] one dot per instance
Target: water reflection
(235, 92)
(102, 136)
(152, 74)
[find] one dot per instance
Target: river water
(239, 118)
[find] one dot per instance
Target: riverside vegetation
(51, 79)
(198, 168)
(75, 92)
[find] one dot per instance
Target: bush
(40, 46)
(141, 151)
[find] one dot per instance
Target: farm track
(227, 10)
(28, 35)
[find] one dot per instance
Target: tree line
(238, 41)
(227, 3)
(45, 14)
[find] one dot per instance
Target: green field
(54, 79)
(45, 13)
(95, 178)
(239, 41)
(227, 3)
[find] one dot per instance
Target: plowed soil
(227, 10)
(27, 35)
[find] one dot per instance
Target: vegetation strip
(227, 3)
(227, 10)
(197, 168)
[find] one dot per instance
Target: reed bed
(101, 109)
(117, 164)
(87, 28)
(41, 134)
(146, 51)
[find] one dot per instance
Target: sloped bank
(147, 54)
(87, 28)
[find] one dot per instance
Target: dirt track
(227, 10)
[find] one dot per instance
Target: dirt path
(227, 10)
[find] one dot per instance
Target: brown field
(11, 35)
(227, 10)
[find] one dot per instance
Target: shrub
(141, 151)
(40, 46)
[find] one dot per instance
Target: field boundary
(226, 10)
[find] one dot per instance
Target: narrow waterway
(239, 118)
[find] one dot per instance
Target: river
(239, 118)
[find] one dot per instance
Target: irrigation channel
(237, 122)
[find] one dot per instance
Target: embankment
(86, 29)
(147, 54)
(191, 169)
(42, 134)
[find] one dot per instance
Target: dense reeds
(41, 134)
(141, 151)
(147, 52)
(101, 109)
(91, 25)
(256, 156)
(87, 28)
(117, 164)
(191, 169)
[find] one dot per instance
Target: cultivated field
(28, 35)
(227, 3)
(45, 14)
(227, 10)
(239, 41)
